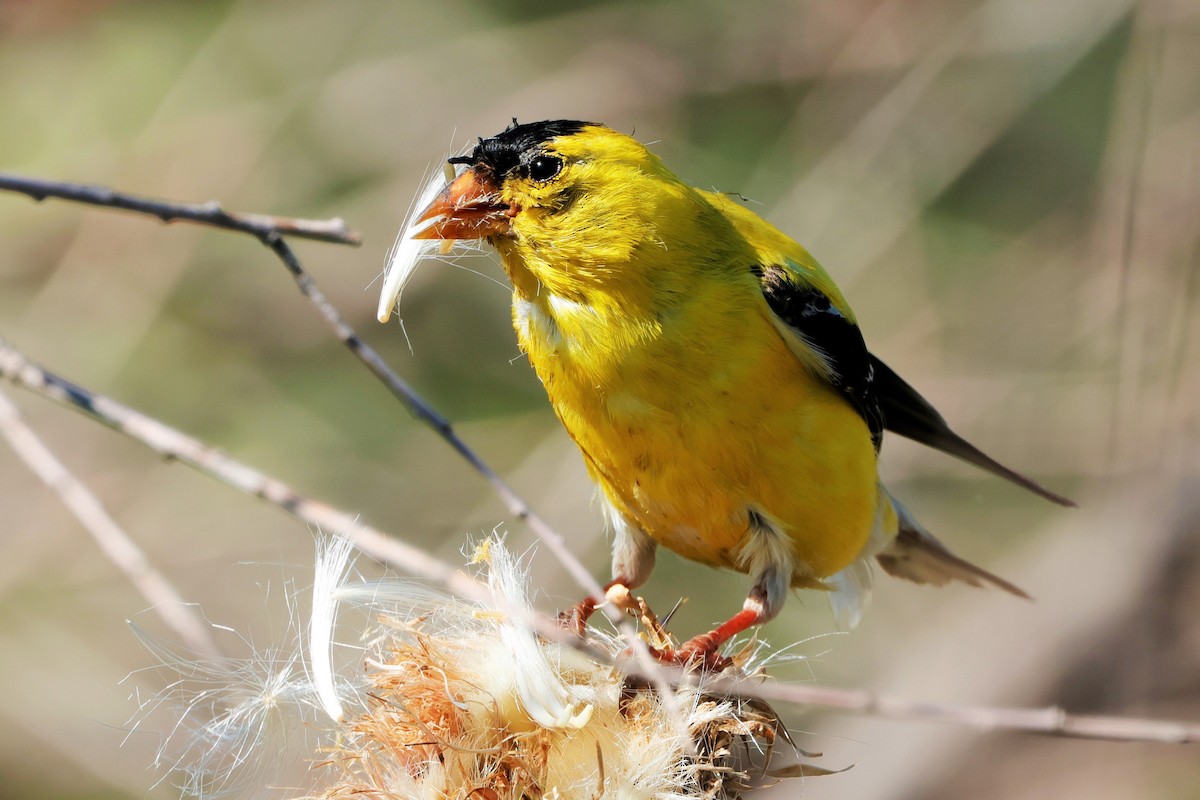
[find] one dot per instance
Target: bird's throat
(524, 282)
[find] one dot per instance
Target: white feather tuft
(542, 693)
(332, 563)
(407, 252)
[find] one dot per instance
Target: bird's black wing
(883, 398)
(834, 337)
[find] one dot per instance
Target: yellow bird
(710, 371)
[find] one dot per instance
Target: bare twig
(330, 230)
(1051, 721)
(266, 230)
(116, 544)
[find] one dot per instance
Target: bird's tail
(909, 414)
(915, 555)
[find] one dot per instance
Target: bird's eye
(543, 168)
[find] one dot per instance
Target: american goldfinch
(710, 371)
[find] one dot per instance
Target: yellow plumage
(653, 341)
(708, 368)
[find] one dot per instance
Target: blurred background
(1008, 191)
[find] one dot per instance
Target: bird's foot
(699, 651)
(575, 618)
(703, 650)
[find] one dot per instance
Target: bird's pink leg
(702, 649)
(762, 605)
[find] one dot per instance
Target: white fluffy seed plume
(450, 699)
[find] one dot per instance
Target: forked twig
(368, 540)
(269, 231)
(162, 595)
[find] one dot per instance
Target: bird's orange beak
(469, 208)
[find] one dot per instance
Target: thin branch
(266, 230)
(124, 553)
(1051, 721)
(329, 230)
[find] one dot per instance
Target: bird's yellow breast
(693, 417)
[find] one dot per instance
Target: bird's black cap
(518, 143)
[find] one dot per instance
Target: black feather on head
(505, 151)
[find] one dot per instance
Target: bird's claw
(575, 618)
(699, 652)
